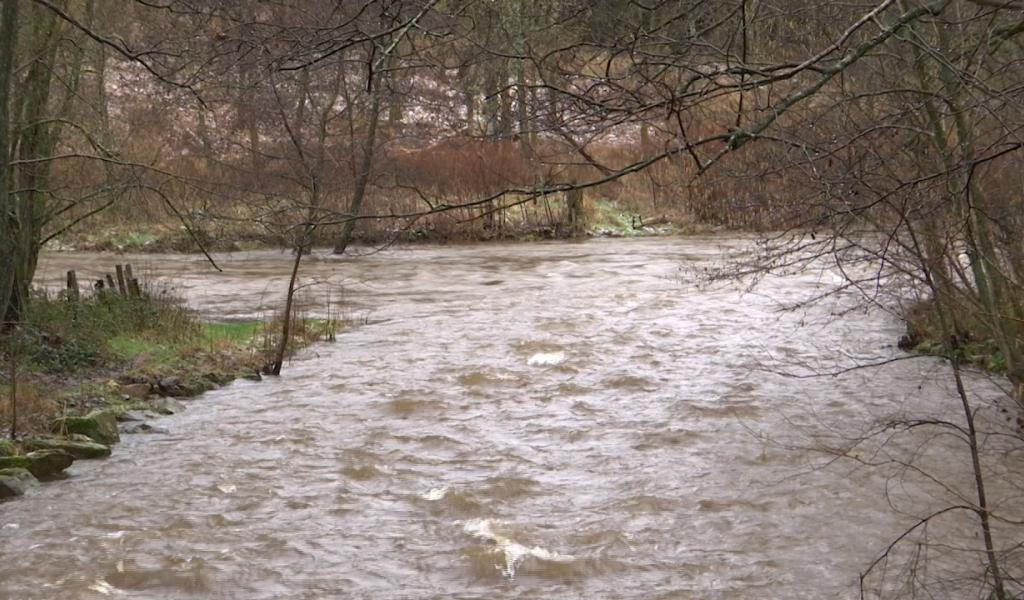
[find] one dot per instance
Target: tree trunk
(35, 140)
(286, 325)
(8, 37)
(363, 175)
(574, 206)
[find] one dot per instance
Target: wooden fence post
(72, 286)
(121, 285)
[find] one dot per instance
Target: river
(552, 420)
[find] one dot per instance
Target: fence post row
(127, 285)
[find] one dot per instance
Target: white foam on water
(102, 587)
(434, 494)
(542, 359)
(515, 553)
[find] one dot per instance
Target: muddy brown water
(551, 420)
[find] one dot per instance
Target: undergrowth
(974, 346)
(69, 356)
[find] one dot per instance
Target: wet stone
(14, 482)
(167, 406)
(139, 427)
(130, 416)
(170, 386)
(100, 426)
(75, 447)
(41, 463)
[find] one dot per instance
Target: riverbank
(78, 372)
(973, 345)
(605, 219)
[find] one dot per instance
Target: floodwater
(554, 420)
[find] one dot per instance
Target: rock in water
(76, 448)
(131, 415)
(99, 425)
(141, 428)
(46, 463)
(13, 482)
(167, 406)
(10, 487)
(41, 463)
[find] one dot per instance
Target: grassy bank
(115, 352)
(603, 218)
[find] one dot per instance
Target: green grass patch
(135, 240)
(128, 347)
(607, 215)
(243, 333)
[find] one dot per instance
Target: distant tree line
(890, 129)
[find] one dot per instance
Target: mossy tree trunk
(31, 125)
(575, 215)
(8, 246)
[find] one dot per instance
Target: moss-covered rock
(41, 463)
(7, 448)
(76, 448)
(14, 482)
(188, 386)
(99, 425)
(47, 463)
(14, 462)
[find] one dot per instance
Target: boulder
(46, 463)
(41, 463)
(170, 386)
(138, 427)
(136, 391)
(7, 448)
(76, 448)
(99, 425)
(129, 416)
(167, 406)
(14, 482)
